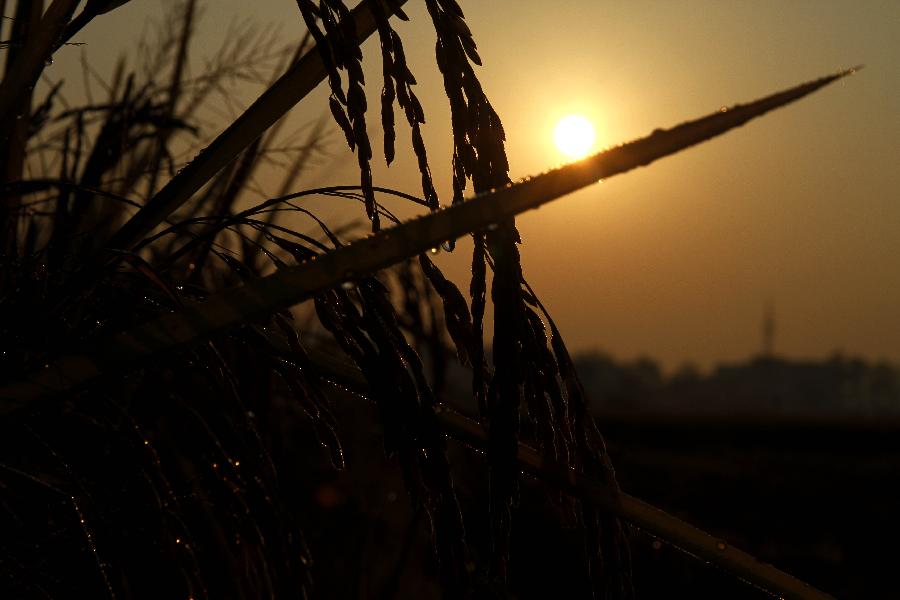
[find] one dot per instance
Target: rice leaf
(353, 261)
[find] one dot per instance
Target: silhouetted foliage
(158, 481)
(168, 426)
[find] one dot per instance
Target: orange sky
(675, 261)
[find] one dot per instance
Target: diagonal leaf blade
(289, 286)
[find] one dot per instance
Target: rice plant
(159, 393)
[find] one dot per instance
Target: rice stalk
(178, 420)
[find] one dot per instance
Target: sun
(574, 136)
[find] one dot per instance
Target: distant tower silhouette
(768, 330)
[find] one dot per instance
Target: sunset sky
(676, 261)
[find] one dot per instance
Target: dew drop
(720, 545)
(449, 245)
(723, 109)
(435, 250)
(347, 285)
(49, 60)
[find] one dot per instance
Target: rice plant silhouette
(149, 353)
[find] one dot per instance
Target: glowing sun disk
(574, 136)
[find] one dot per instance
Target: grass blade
(289, 286)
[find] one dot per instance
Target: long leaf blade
(289, 286)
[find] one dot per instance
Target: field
(210, 392)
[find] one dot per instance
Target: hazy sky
(675, 261)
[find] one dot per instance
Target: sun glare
(574, 136)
